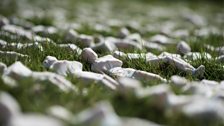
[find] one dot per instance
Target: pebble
(62, 67)
(88, 55)
(183, 48)
(2, 43)
(60, 112)
(123, 33)
(44, 31)
(101, 114)
(127, 85)
(197, 56)
(85, 41)
(104, 46)
(178, 81)
(161, 39)
(3, 21)
(105, 63)
(34, 120)
(71, 36)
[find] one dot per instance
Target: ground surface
(97, 18)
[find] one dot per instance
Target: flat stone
(127, 85)
(71, 47)
(34, 120)
(134, 37)
(60, 113)
(85, 41)
(161, 39)
(88, 55)
(202, 110)
(105, 63)
(197, 55)
(13, 55)
(53, 79)
(178, 81)
(105, 46)
(17, 71)
(43, 30)
(91, 77)
(102, 114)
(18, 31)
(183, 48)
(158, 95)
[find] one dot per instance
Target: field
(185, 99)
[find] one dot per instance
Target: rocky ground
(111, 63)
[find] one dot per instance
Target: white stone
(88, 55)
(178, 81)
(60, 112)
(71, 47)
(2, 43)
(127, 121)
(62, 67)
(34, 120)
(85, 41)
(13, 55)
(54, 79)
(44, 30)
(105, 63)
(205, 111)
(183, 48)
(71, 35)
(134, 37)
(18, 31)
(105, 46)
(158, 95)
(128, 85)
(124, 32)
(102, 114)
(197, 55)
(161, 39)
(17, 71)
(220, 58)
(91, 77)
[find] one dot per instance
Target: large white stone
(102, 114)
(54, 79)
(88, 55)
(105, 63)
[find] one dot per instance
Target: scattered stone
(220, 59)
(202, 110)
(60, 113)
(34, 120)
(183, 48)
(161, 39)
(123, 33)
(127, 85)
(85, 41)
(178, 81)
(13, 55)
(44, 31)
(102, 114)
(105, 46)
(2, 43)
(197, 55)
(71, 47)
(71, 36)
(62, 67)
(88, 55)
(105, 63)
(3, 21)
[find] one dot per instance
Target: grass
(39, 97)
